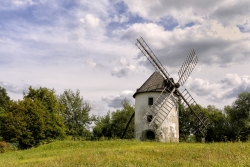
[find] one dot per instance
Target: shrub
(3, 146)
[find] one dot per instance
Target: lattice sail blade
(187, 67)
(160, 109)
(201, 121)
(142, 45)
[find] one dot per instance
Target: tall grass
(130, 153)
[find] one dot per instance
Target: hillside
(129, 153)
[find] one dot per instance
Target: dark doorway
(150, 135)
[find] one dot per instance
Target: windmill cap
(155, 83)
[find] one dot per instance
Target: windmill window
(149, 118)
(150, 101)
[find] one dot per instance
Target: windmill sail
(187, 67)
(201, 121)
(159, 111)
(162, 106)
(142, 45)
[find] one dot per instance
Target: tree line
(43, 116)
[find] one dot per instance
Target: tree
(185, 117)
(4, 103)
(4, 98)
(103, 126)
(218, 128)
(36, 119)
(112, 125)
(55, 127)
(76, 113)
(120, 119)
(188, 122)
(239, 117)
(24, 123)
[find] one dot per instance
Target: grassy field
(129, 153)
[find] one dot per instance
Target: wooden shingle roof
(155, 83)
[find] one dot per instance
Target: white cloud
(211, 42)
(229, 12)
(14, 88)
(91, 21)
(22, 2)
(221, 91)
(59, 43)
(97, 108)
(232, 12)
(246, 25)
(123, 69)
(116, 101)
(191, 11)
(124, 19)
(90, 62)
(231, 80)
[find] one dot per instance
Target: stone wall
(168, 131)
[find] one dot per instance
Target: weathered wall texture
(167, 132)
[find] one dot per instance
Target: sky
(90, 46)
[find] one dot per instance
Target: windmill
(165, 108)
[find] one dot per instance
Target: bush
(3, 146)
(34, 120)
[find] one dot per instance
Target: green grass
(129, 153)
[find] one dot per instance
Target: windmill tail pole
(124, 132)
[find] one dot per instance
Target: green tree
(103, 126)
(239, 117)
(36, 119)
(55, 127)
(218, 127)
(112, 125)
(189, 123)
(76, 113)
(185, 117)
(24, 123)
(4, 103)
(4, 98)
(120, 119)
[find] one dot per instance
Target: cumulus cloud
(229, 12)
(202, 87)
(123, 69)
(243, 85)
(13, 88)
(93, 64)
(116, 101)
(228, 87)
(237, 11)
(59, 40)
(93, 25)
(211, 42)
(90, 62)
(90, 21)
(192, 11)
(97, 107)
(246, 26)
(23, 2)
(231, 80)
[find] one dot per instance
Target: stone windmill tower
(156, 101)
(145, 97)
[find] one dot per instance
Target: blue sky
(90, 46)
